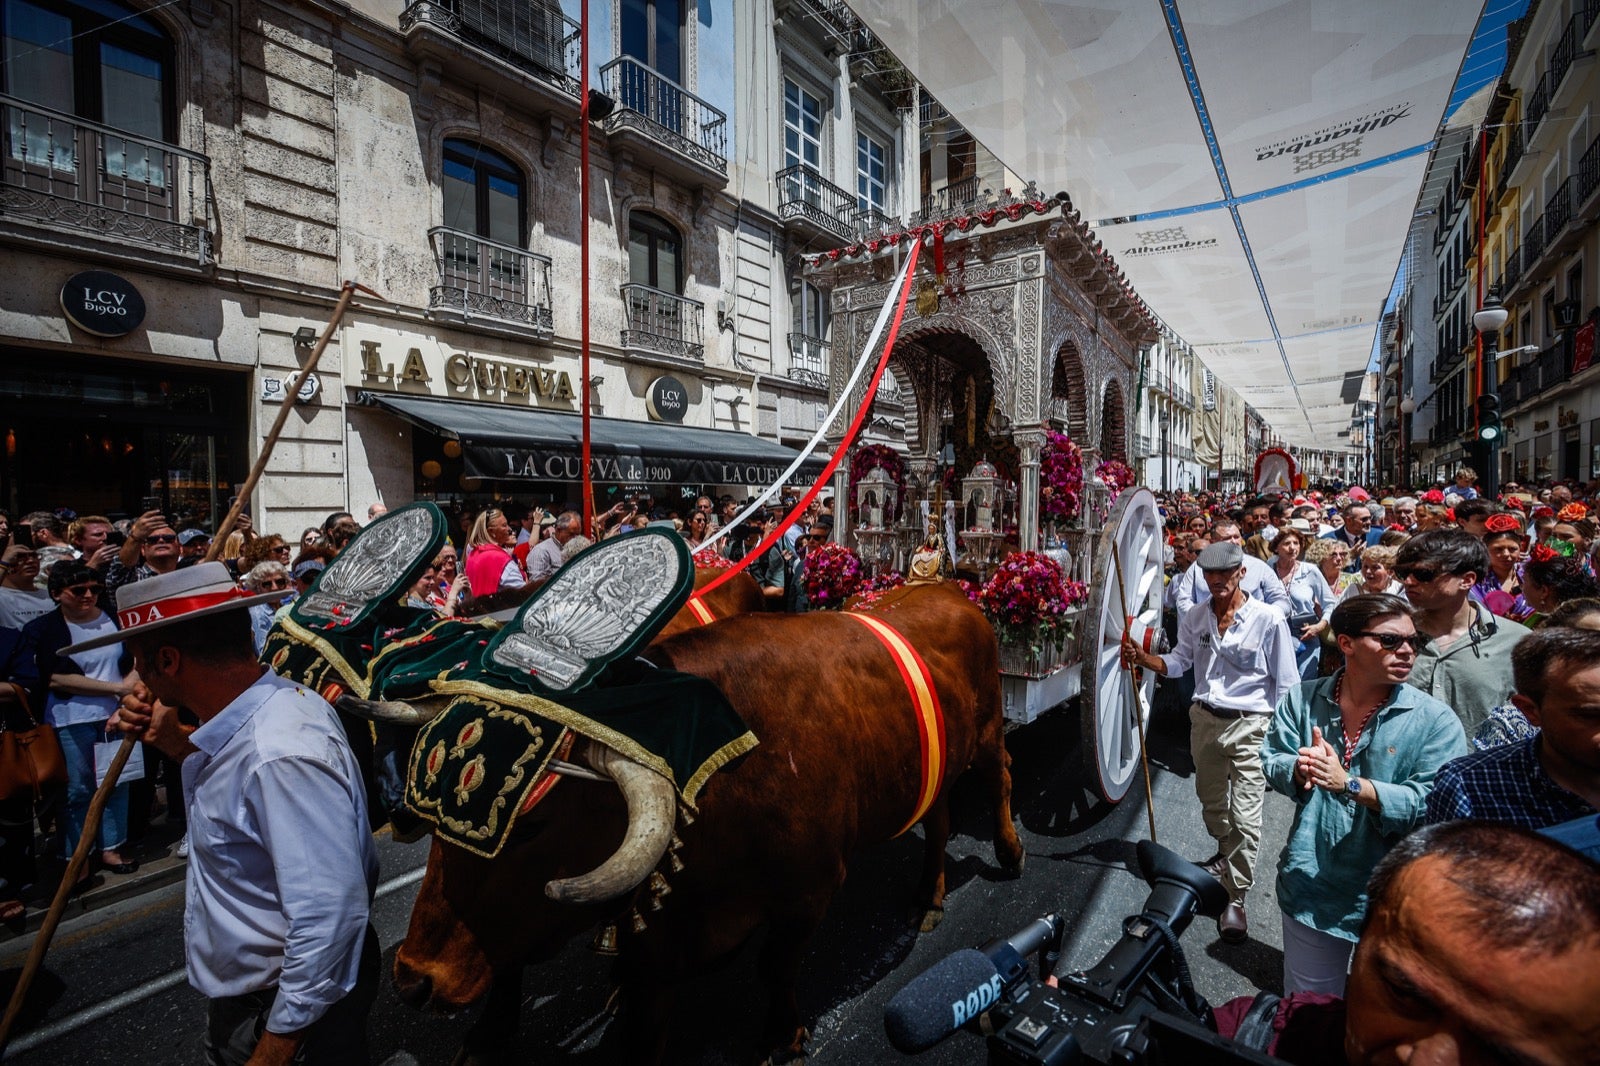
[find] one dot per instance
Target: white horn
(652, 806)
(392, 710)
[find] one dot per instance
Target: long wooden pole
(102, 795)
(1138, 694)
(583, 268)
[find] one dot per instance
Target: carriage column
(1029, 442)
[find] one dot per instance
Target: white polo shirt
(1246, 669)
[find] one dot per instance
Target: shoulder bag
(30, 759)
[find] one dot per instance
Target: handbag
(30, 759)
(106, 750)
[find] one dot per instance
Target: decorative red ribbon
(833, 464)
(166, 610)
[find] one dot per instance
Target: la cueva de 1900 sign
(101, 303)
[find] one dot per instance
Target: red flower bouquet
(833, 575)
(1117, 476)
(1028, 597)
(1060, 478)
(710, 559)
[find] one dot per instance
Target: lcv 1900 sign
(102, 303)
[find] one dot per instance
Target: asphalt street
(114, 989)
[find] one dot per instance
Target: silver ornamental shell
(371, 564)
(590, 609)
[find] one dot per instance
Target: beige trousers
(1231, 786)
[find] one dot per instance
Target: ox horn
(652, 806)
(391, 710)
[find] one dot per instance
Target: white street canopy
(1252, 165)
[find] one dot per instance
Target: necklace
(1351, 739)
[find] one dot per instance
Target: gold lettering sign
(467, 375)
(415, 370)
(373, 368)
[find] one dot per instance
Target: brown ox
(837, 770)
(738, 595)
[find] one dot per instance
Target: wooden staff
(97, 805)
(1138, 695)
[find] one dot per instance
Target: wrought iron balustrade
(483, 278)
(1588, 171)
(67, 173)
(808, 360)
(957, 198)
(1558, 209)
(869, 222)
(805, 193)
(1539, 105)
(665, 111)
(531, 35)
(664, 322)
(1533, 243)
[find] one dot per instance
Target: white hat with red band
(184, 594)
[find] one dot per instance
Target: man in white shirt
(1243, 661)
(1259, 581)
(21, 601)
(282, 866)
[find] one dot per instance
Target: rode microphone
(942, 999)
(961, 986)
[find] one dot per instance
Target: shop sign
(667, 400)
(556, 463)
(461, 375)
(102, 303)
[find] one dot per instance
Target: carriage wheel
(1108, 707)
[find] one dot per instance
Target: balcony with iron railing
(869, 222)
(484, 282)
(835, 15)
(526, 51)
(1512, 132)
(959, 198)
(1538, 106)
(661, 323)
(930, 110)
(682, 134)
(888, 391)
(812, 204)
(66, 181)
(1588, 174)
(808, 360)
(1550, 368)
(1143, 446)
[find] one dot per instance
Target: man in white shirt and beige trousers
(1243, 661)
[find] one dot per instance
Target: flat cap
(1223, 555)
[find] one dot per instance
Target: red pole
(1483, 148)
(583, 272)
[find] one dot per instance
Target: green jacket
(1473, 675)
(1334, 843)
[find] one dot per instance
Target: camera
(1135, 1007)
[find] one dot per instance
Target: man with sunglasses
(1243, 661)
(1467, 662)
(151, 548)
(1357, 752)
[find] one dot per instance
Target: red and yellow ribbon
(925, 702)
(701, 612)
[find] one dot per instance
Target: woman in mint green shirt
(1357, 752)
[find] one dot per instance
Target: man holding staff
(282, 868)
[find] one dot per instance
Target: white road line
(123, 1000)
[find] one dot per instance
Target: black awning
(526, 444)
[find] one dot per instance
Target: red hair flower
(1572, 512)
(1502, 523)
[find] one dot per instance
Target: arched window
(655, 253)
(484, 193)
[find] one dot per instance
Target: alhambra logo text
(1322, 147)
(1165, 241)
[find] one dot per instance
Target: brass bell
(638, 921)
(675, 862)
(605, 941)
(658, 885)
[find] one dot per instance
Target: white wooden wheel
(1109, 706)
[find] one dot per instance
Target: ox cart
(1121, 560)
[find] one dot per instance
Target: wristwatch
(1352, 787)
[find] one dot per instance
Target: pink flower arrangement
(1060, 477)
(833, 575)
(1028, 597)
(970, 588)
(1117, 476)
(872, 591)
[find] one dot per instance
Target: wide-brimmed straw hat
(185, 594)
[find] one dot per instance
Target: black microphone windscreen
(940, 1000)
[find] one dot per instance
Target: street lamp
(1488, 320)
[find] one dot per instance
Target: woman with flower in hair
(1555, 573)
(1498, 589)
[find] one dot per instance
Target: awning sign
(523, 463)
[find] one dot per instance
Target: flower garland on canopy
(711, 559)
(881, 457)
(1060, 477)
(1028, 597)
(873, 590)
(833, 575)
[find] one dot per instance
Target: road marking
(105, 1008)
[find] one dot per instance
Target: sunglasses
(1420, 574)
(272, 586)
(162, 538)
(283, 548)
(1392, 641)
(85, 590)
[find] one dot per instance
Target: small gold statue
(928, 560)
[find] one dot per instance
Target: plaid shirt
(1505, 784)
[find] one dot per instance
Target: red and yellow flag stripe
(701, 612)
(925, 704)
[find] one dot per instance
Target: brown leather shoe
(1232, 926)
